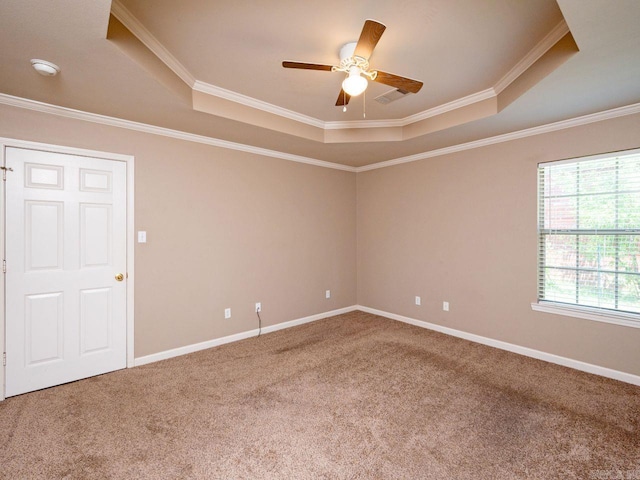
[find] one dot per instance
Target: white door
(65, 246)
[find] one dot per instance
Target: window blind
(589, 232)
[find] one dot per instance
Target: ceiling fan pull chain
(364, 104)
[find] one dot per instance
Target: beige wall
(227, 229)
(462, 228)
(224, 229)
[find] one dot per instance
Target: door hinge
(4, 266)
(4, 359)
(4, 172)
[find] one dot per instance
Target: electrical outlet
(258, 307)
(327, 294)
(418, 301)
(445, 306)
(227, 313)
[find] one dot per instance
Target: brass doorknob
(119, 277)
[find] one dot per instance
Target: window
(589, 235)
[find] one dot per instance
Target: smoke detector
(45, 68)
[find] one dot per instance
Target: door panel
(44, 176)
(95, 320)
(66, 242)
(95, 181)
(44, 220)
(44, 328)
(95, 235)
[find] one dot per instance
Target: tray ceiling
(214, 68)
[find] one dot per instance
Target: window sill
(617, 318)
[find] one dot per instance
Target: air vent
(391, 96)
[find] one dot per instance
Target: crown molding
(255, 103)
(529, 132)
(190, 137)
(403, 122)
(450, 106)
(145, 36)
(162, 131)
(553, 37)
(315, 122)
(346, 124)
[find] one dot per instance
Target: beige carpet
(353, 396)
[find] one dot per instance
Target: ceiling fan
(354, 61)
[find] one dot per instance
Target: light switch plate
(142, 237)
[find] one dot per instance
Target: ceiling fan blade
(371, 33)
(402, 83)
(343, 98)
(306, 66)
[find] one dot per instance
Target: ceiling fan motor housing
(346, 51)
(349, 62)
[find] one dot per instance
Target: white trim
(347, 124)
(255, 103)
(528, 132)
(310, 318)
(403, 122)
(3, 229)
(146, 37)
(339, 125)
(617, 154)
(553, 37)
(510, 347)
(166, 132)
(176, 352)
(596, 314)
(450, 106)
(195, 347)
(129, 161)
(190, 137)
(131, 247)
(47, 147)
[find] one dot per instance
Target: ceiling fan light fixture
(354, 84)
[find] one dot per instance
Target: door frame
(129, 161)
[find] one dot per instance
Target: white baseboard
(510, 347)
(528, 352)
(175, 352)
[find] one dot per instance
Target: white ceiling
(456, 48)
